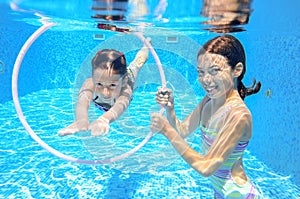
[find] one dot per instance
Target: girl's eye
(214, 71)
(113, 85)
(110, 85)
(200, 73)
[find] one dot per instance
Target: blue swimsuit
(101, 106)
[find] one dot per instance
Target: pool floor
(155, 171)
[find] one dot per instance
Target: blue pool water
(53, 69)
(153, 172)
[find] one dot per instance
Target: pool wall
(272, 44)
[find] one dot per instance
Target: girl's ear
(238, 69)
(124, 80)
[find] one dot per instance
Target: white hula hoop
(15, 75)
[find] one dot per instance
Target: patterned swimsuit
(222, 181)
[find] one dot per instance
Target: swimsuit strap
(101, 106)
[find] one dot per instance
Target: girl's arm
(120, 105)
(140, 58)
(81, 122)
(190, 123)
(84, 98)
(102, 124)
(236, 126)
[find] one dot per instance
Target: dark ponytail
(244, 91)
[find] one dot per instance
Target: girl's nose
(105, 91)
(207, 79)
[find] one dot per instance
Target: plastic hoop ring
(15, 75)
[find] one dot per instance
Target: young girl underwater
(223, 117)
(110, 88)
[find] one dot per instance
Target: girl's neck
(221, 101)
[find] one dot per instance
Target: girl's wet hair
(111, 60)
(231, 48)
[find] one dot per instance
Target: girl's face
(215, 75)
(107, 85)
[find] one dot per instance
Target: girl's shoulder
(237, 108)
(239, 113)
(88, 84)
(237, 104)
